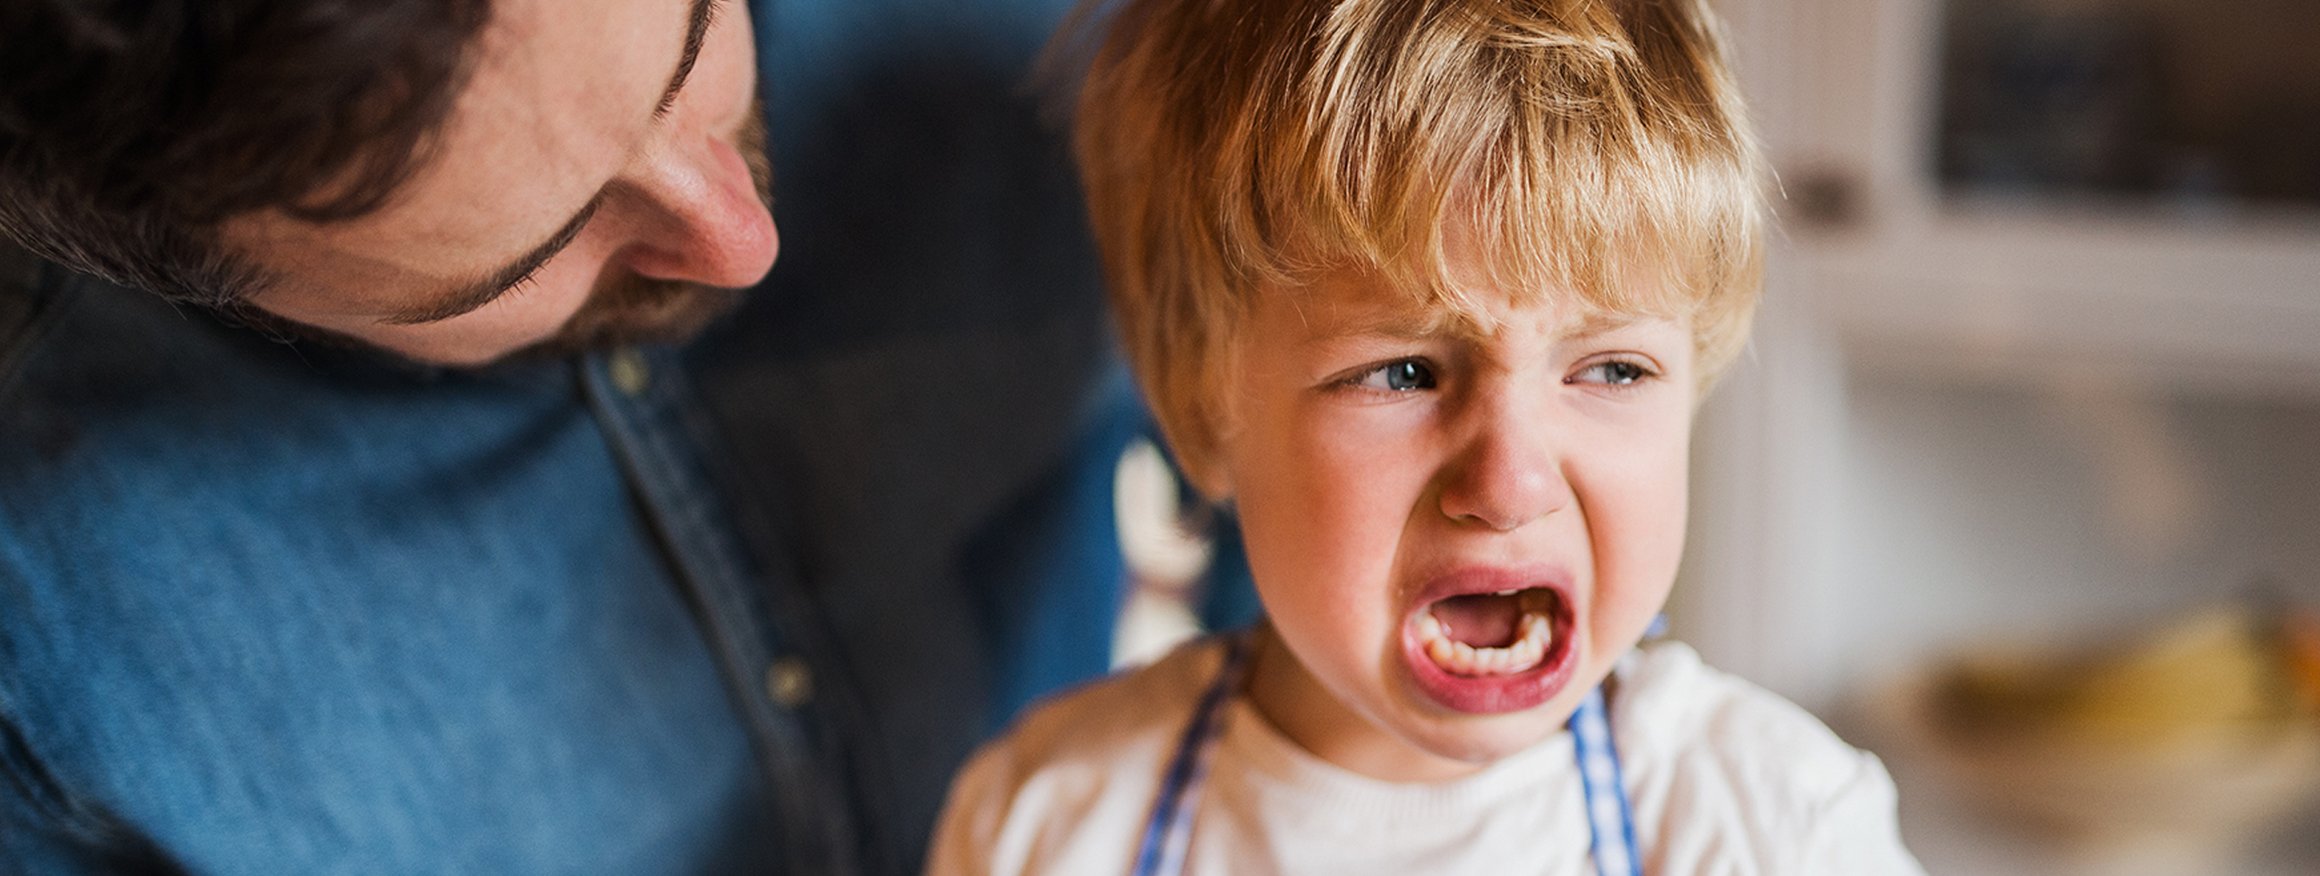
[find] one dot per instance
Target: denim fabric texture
(273, 610)
(737, 607)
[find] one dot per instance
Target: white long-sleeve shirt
(1723, 776)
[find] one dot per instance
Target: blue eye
(1403, 376)
(1616, 372)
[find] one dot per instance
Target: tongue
(1482, 620)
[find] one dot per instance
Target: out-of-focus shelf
(1990, 293)
(1965, 411)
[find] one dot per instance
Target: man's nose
(703, 221)
(1507, 471)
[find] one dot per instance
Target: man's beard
(626, 309)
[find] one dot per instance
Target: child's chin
(1483, 741)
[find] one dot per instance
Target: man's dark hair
(131, 129)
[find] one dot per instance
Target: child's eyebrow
(1430, 324)
(1403, 324)
(1423, 322)
(1605, 322)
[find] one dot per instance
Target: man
(377, 526)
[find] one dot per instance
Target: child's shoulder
(1064, 788)
(1721, 767)
(1118, 717)
(1671, 703)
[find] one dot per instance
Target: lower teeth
(1459, 658)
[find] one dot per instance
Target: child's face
(1393, 476)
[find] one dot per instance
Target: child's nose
(1507, 474)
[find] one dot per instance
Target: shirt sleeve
(966, 838)
(1855, 831)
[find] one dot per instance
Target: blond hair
(1232, 145)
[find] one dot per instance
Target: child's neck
(1298, 706)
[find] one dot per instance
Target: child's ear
(1204, 470)
(1211, 482)
(1196, 454)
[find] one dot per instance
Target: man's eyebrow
(696, 31)
(468, 298)
(481, 292)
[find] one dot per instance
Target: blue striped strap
(1167, 835)
(1169, 832)
(1610, 822)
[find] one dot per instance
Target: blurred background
(2019, 486)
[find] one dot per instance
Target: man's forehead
(560, 96)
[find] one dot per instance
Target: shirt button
(789, 682)
(630, 373)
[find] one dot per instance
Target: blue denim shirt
(273, 608)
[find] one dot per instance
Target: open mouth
(1490, 641)
(1484, 634)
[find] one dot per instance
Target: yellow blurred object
(2217, 673)
(2300, 637)
(2182, 742)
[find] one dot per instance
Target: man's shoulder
(150, 454)
(79, 371)
(426, 602)
(110, 404)
(72, 343)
